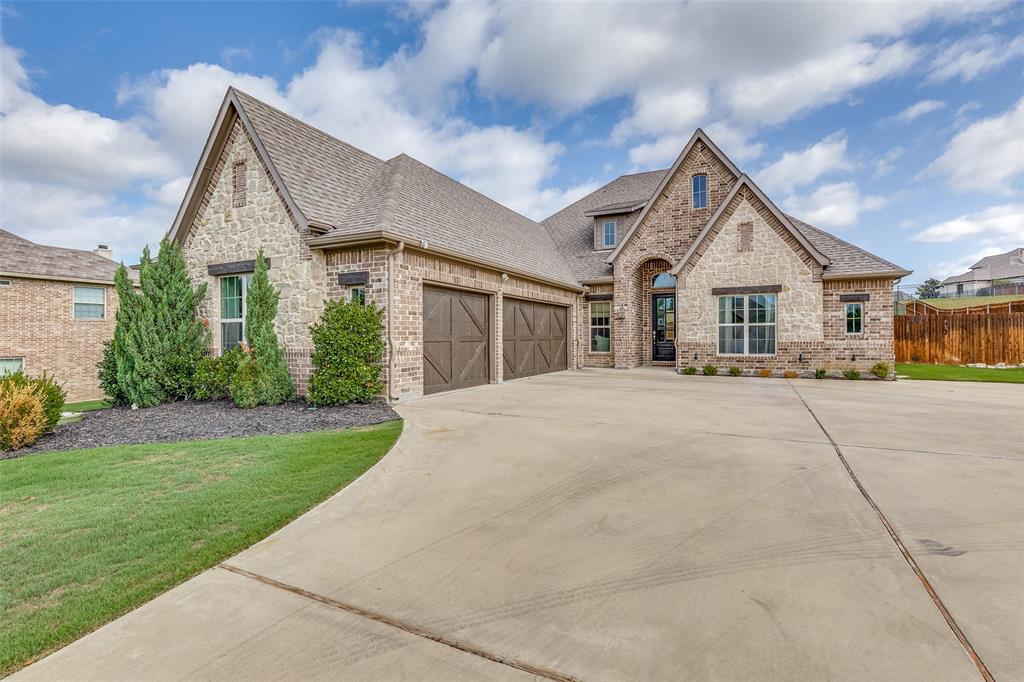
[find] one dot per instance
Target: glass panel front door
(663, 324)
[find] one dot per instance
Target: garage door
(456, 339)
(533, 338)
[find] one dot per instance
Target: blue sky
(897, 126)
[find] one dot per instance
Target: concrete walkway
(603, 525)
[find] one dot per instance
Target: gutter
(50, 278)
(424, 246)
(894, 274)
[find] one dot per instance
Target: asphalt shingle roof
(999, 266)
(19, 256)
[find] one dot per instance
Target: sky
(897, 126)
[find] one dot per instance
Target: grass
(957, 373)
(86, 406)
(87, 535)
(970, 301)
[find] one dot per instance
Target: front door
(663, 324)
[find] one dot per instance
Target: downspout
(392, 396)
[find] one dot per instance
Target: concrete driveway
(605, 525)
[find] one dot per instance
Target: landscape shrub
(881, 370)
(765, 373)
(820, 373)
(51, 394)
(791, 374)
(262, 376)
(213, 375)
(851, 374)
(690, 370)
(710, 370)
(735, 371)
(158, 337)
(348, 345)
(22, 418)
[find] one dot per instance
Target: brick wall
(37, 319)
(586, 358)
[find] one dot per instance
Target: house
(991, 276)
(691, 265)
(57, 308)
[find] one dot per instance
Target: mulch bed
(200, 420)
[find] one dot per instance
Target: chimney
(104, 250)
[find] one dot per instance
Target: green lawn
(953, 303)
(957, 373)
(86, 406)
(87, 535)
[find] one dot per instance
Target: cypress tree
(262, 376)
(179, 333)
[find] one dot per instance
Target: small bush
(820, 373)
(791, 374)
(690, 370)
(22, 418)
(735, 371)
(213, 375)
(851, 374)
(51, 394)
(764, 373)
(348, 342)
(881, 370)
(710, 370)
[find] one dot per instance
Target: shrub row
(880, 370)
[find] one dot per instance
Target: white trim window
(746, 324)
(233, 291)
(854, 318)
(90, 303)
(357, 295)
(11, 365)
(600, 326)
(700, 191)
(608, 234)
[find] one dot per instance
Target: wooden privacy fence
(960, 339)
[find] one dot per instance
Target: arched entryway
(654, 303)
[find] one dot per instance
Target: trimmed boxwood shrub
(348, 345)
(213, 375)
(881, 370)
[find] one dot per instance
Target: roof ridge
(302, 123)
(394, 187)
(57, 248)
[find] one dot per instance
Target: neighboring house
(687, 266)
(57, 309)
(992, 275)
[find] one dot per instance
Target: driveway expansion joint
(405, 627)
(950, 621)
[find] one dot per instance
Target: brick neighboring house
(679, 267)
(57, 308)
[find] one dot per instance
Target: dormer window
(608, 234)
(700, 191)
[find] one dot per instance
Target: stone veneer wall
(38, 323)
(586, 358)
(667, 231)
(223, 232)
(411, 270)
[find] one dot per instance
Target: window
(746, 325)
(232, 310)
(700, 191)
(600, 326)
(663, 281)
(608, 234)
(854, 318)
(90, 303)
(358, 295)
(11, 365)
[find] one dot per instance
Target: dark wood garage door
(456, 339)
(533, 338)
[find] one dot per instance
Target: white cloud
(837, 205)
(885, 164)
(663, 112)
(986, 156)
(796, 169)
(916, 110)
(734, 142)
(793, 90)
(1003, 223)
(968, 58)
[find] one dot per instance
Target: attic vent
(239, 184)
(746, 237)
(5, 282)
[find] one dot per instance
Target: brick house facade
(43, 328)
(336, 222)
